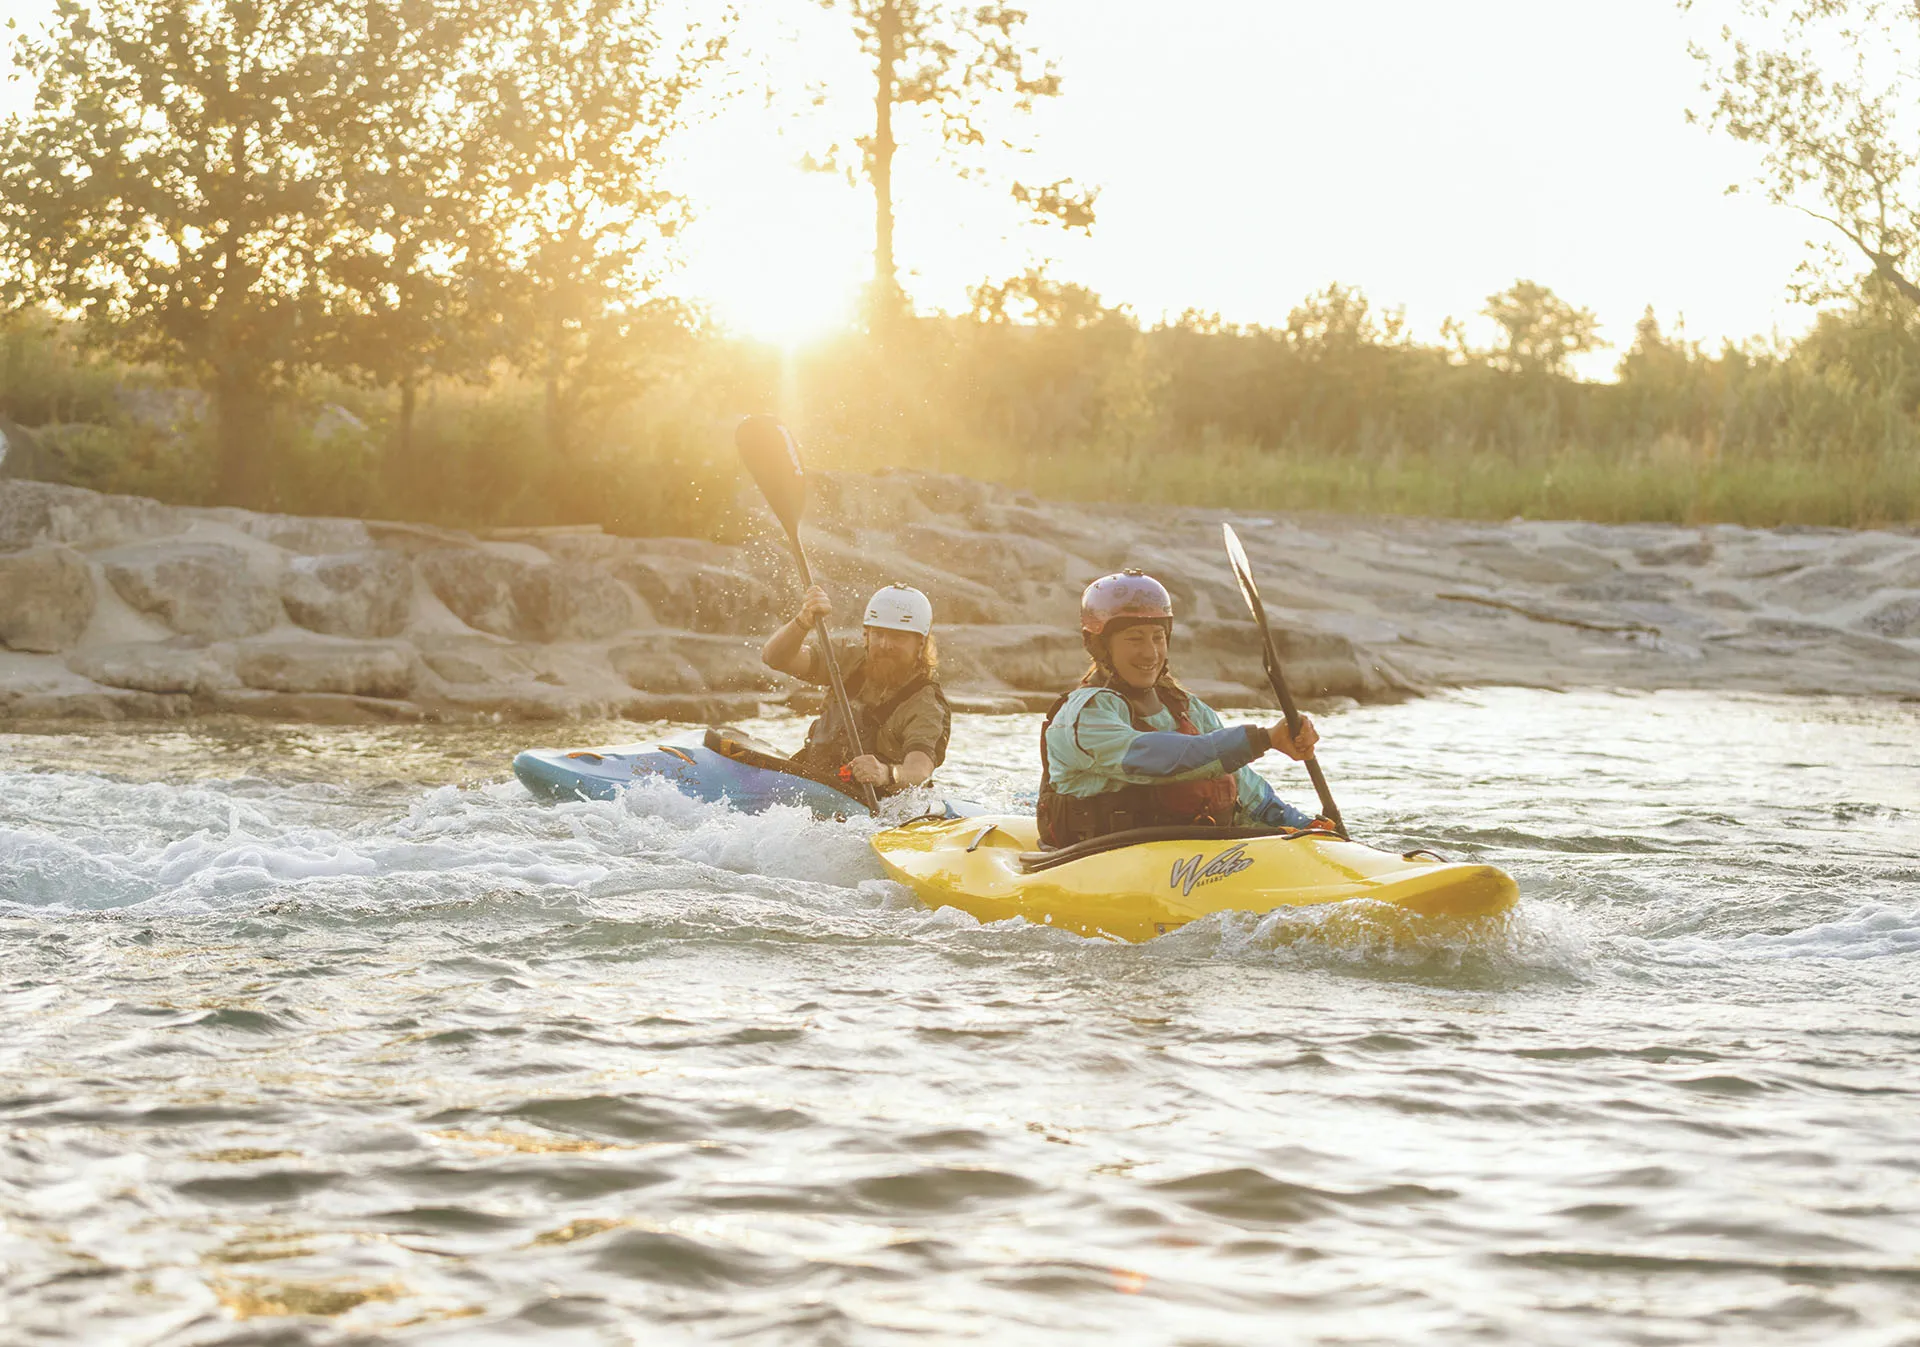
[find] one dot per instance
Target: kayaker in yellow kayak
(1131, 748)
(892, 683)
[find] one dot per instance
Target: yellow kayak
(1135, 886)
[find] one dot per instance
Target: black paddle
(773, 460)
(1237, 558)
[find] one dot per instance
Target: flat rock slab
(477, 659)
(505, 595)
(42, 512)
(178, 666)
(699, 595)
(46, 598)
(1899, 619)
(205, 589)
(350, 668)
(573, 601)
(476, 586)
(669, 661)
(327, 618)
(95, 704)
(366, 594)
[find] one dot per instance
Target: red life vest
(1066, 819)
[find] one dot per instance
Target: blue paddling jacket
(1108, 769)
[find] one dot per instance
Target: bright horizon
(1256, 152)
(1431, 160)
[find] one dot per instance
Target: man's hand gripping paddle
(1237, 558)
(773, 461)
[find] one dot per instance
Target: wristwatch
(893, 774)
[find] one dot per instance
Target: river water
(334, 1035)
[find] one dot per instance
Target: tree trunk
(403, 439)
(562, 481)
(887, 300)
(239, 440)
(236, 397)
(1884, 268)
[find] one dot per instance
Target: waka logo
(1197, 870)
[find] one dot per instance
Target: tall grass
(1669, 482)
(1334, 412)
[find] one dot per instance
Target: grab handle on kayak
(982, 836)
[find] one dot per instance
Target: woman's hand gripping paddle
(1237, 558)
(773, 461)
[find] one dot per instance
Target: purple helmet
(1130, 594)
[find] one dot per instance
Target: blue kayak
(726, 766)
(695, 770)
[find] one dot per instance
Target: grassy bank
(1332, 413)
(1670, 482)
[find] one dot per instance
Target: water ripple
(378, 1058)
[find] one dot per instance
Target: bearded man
(892, 684)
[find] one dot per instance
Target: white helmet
(900, 608)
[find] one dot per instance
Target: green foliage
(163, 185)
(1541, 330)
(1046, 387)
(583, 97)
(396, 190)
(402, 299)
(1825, 90)
(46, 378)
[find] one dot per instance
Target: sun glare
(777, 253)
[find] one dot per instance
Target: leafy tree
(960, 64)
(583, 97)
(163, 185)
(1036, 297)
(1656, 355)
(1541, 330)
(1826, 90)
(1341, 318)
(246, 189)
(402, 302)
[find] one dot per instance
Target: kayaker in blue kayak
(892, 682)
(1131, 748)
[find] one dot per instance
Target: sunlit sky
(1250, 152)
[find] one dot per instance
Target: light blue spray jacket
(1092, 747)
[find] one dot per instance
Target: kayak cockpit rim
(1034, 861)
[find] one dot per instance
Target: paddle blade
(1243, 572)
(773, 459)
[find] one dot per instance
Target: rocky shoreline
(121, 608)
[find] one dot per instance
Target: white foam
(1876, 932)
(309, 857)
(1534, 938)
(785, 842)
(39, 870)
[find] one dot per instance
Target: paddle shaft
(834, 680)
(772, 459)
(1292, 713)
(1250, 591)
